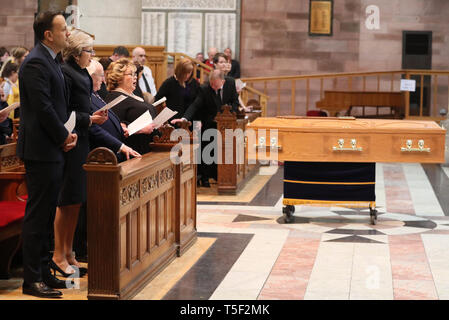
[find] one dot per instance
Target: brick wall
(16, 23)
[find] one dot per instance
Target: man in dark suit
(219, 91)
(111, 133)
(43, 139)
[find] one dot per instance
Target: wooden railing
(295, 95)
(200, 71)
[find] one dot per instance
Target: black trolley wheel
(373, 216)
(288, 212)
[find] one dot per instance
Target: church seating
(12, 206)
(141, 215)
(337, 101)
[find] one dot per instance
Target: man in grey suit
(42, 141)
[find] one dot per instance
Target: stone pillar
(112, 22)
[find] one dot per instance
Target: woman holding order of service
(77, 58)
(180, 89)
(122, 80)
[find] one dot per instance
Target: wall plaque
(320, 17)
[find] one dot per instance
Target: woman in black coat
(73, 193)
(122, 80)
(180, 89)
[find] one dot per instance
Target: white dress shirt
(149, 77)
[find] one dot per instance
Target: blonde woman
(122, 80)
(77, 56)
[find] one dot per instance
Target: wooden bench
(337, 101)
(12, 206)
(141, 215)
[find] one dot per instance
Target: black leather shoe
(41, 290)
(54, 282)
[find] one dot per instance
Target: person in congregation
(10, 74)
(211, 97)
(235, 65)
(180, 89)
(19, 54)
(200, 57)
(5, 122)
(146, 81)
(110, 134)
(221, 63)
(77, 56)
(103, 92)
(119, 53)
(4, 55)
(210, 57)
(122, 80)
(42, 144)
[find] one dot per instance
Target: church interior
(344, 196)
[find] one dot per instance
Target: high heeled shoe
(53, 266)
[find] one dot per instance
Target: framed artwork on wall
(320, 17)
(56, 5)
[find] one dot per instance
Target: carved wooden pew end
(141, 215)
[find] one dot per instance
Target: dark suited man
(211, 97)
(42, 141)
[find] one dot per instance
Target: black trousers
(207, 168)
(44, 180)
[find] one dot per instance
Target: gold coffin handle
(341, 147)
(409, 144)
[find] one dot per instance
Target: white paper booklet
(140, 123)
(10, 108)
(161, 100)
(239, 84)
(113, 102)
(164, 116)
(70, 124)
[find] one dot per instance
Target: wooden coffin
(346, 140)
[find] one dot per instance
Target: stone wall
(16, 23)
(112, 21)
(275, 38)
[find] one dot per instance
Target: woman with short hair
(77, 57)
(122, 80)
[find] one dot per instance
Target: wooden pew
(12, 206)
(336, 101)
(141, 215)
(232, 177)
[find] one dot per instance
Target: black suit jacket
(43, 108)
(207, 104)
(110, 133)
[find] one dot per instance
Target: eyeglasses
(131, 74)
(92, 52)
(101, 75)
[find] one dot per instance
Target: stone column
(112, 22)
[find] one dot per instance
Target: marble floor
(245, 251)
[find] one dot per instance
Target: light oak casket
(346, 140)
